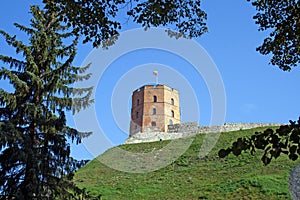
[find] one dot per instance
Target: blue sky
(255, 91)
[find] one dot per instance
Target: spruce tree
(35, 161)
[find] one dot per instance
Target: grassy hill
(189, 177)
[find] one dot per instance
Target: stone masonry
(294, 182)
(153, 108)
(191, 128)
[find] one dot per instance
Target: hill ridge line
(188, 129)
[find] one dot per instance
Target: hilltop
(191, 177)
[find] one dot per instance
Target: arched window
(172, 101)
(154, 98)
(138, 102)
(154, 111)
(153, 123)
(172, 113)
(170, 122)
(137, 115)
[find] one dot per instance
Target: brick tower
(154, 107)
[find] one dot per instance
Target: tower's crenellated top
(158, 86)
(154, 107)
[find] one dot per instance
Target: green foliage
(35, 157)
(187, 15)
(286, 140)
(282, 21)
(191, 177)
(98, 20)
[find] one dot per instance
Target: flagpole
(155, 73)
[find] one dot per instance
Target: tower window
(137, 115)
(170, 122)
(138, 102)
(154, 98)
(172, 101)
(153, 123)
(172, 113)
(154, 111)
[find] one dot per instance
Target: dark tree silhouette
(284, 140)
(98, 20)
(35, 157)
(282, 21)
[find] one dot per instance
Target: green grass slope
(189, 177)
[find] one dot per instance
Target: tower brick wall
(154, 107)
